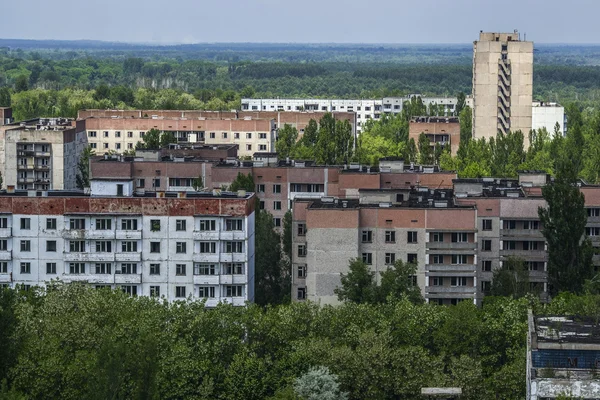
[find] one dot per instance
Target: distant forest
(57, 77)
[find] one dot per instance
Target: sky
(293, 21)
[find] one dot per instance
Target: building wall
(489, 76)
(547, 115)
(157, 239)
(437, 131)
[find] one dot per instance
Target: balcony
(233, 235)
(451, 247)
(525, 254)
(468, 290)
(233, 257)
(205, 235)
(25, 153)
(206, 280)
(26, 167)
(5, 232)
(127, 278)
(593, 220)
(5, 278)
(100, 234)
(522, 233)
(236, 301)
(451, 269)
(206, 257)
(25, 180)
(233, 279)
(6, 255)
(42, 168)
(75, 234)
(42, 154)
(128, 257)
(595, 240)
(128, 235)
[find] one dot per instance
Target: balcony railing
(452, 246)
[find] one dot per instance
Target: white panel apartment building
(199, 246)
(365, 109)
(547, 115)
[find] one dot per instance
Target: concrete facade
(199, 246)
(547, 115)
(40, 154)
(502, 85)
(439, 130)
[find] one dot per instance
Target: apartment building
(458, 236)
(444, 131)
(122, 134)
(365, 109)
(6, 115)
(502, 84)
(40, 154)
(198, 246)
(546, 115)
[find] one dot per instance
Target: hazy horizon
(270, 21)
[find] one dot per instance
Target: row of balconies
(452, 246)
(137, 257)
(82, 234)
(526, 233)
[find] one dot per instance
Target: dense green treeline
(77, 342)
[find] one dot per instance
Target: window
(411, 258)
(77, 268)
(129, 289)
(593, 212)
(205, 269)
(105, 133)
(390, 236)
(390, 258)
(301, 229)
(301, 293)
(92, 134)
(3, 223)
(234, 247)
(180, 291)
(301, 271)
(486, 245)
(248, 135)
(277, 222)
(154, 269)
(277, 205)
(459, 237)
(25, 245)
(486, 224)
(262, 147)
(262, 135)
(93, 145)
(154, 247)
(260, 188)
(155, 225)
(510, 224)
(77, 223)
(261, 205)
(458, 281)
(224, 135)
(103, 246)
(180, 225)
(486, 286)
(510, 245)
(236, 135)
(207, 225)
(180, 270)
(249, 147)
(128, 268)
(118, 146)
(181, 247)
(129, 246)
(234, 290)
(437, 237)
(154, 291)
(212, 135)
(25, 223)
(436, 281)
(129, 134)
(233, 225)
(486, 265)
(233, 269)
(25, 268)
(436, 259)
(119, 189)
(208, 247)
(117, 134)
(367, 236)
(206, 291)
(4, 267)
(51, 245)
(592, 231)
(105, 145)
(459, 258)
(103, 224)
(130, 145)
(103, 268)
(129, 224)
(411, 237)
(367, 258)
(156, 183)
(301, 250)
(534, 225)
(4, 245)
(277, 188)
(51, 268)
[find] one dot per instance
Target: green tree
(512, 279)
(319, 384)
(465, 118)
(166, 138)
(358, 285)
(5, 97)
(461, 102)
(399, 281)
(425, 151)
(151, 140)
(272, 275)
(286, 140)
(21, 84)
(83, 168)
(243, 182)
(287, 234)
(198, 183)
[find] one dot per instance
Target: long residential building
(199, 245)
(457, 237)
